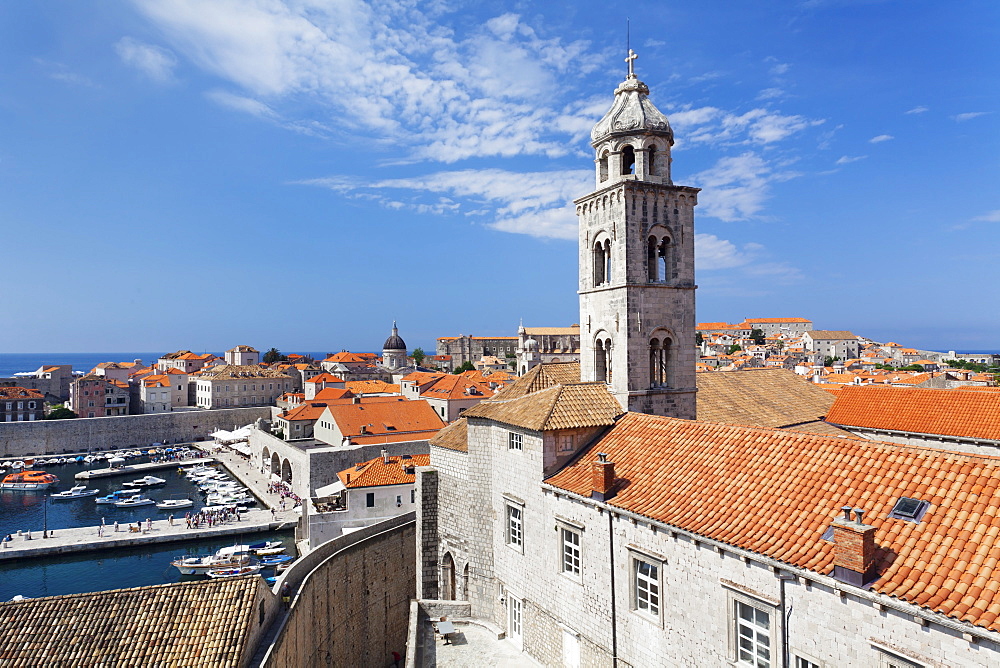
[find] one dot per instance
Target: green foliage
(735, 348)
(828, 361)
(968, 366)
(274, 355)
(60, 412)
(698, 338)
(466, 366)
(418, 356)
(757, 336)
(279, 433)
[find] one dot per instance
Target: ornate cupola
(632, 117)
(394, 350)
(637, 261)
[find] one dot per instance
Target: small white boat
(115, 496)
(137, 500)
(76, 492)
(145, 481)
(173, 504)
(228, 557)
(234, 572)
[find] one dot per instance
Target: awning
(240, 448)
(330, 490)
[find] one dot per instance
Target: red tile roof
(20, 393)
(372, 387)
(386, 418)
(776, 492)
(376, 473)
(331, 393)
(919, 410)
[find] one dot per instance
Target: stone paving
(475, 647)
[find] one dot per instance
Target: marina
(130, 469)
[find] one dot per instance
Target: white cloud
(848, 159)
(770, 94)
(757, 126)
(880, 138)
(990, 217)
(60, 72)
(153, 61)
(241, 103)
(969, 115)
(714, 254)
(736, 187)
(917, 110)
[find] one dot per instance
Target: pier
(85, 539)
(129, 469)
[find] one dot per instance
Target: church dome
(394, 342)
(631, 113)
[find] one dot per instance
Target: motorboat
(174, 504)
(115, 496)
(75, 492)
(137, 500)
(145, 481)
(276, 559)
(28, 480)
(234, 572)
(227, 557)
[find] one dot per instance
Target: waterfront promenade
(269, 517)
(130, 469)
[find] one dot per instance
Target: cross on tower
(632, 55)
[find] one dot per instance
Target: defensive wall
(350, 603)
(50, 437)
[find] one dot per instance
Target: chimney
(355, 400)
(385, 456)
(602, 478)
(853, 548)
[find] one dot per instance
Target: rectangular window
(646, 586)
(753, 636)
(570, 551)
(413, 496)
(514, 441)
(370, 500)
(515, 526)
(890, 660)
(805, 663)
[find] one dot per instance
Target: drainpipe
(614, 611)
(786, 613)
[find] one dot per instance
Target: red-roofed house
(21, 404)
(392, 420)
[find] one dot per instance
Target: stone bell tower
(637, 286)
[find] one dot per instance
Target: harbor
(72, 542)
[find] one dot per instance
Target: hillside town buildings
(21, 404)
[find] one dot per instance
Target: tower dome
(631, 113)
(394, 342)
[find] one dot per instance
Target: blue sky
(189, 174)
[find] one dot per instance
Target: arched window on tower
(600, 265)
(663, 263)
(604, 166)
(607, 261)
(659, 362)
(651, 261)
(654, 362)
(628, 160)
(651, 160)
(600, 361)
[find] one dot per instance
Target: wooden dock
(131, 469)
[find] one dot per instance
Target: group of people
(286, 493)
(102, 529)
(210, 518)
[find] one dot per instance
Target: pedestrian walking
(170, 520)
(116, 526)
(286, 594)
(149, 524)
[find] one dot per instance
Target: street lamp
(45, 516)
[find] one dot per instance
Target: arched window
(664, 269)
(607, 261)
(628, 160)
(659, 362)
(603, 165)
(651, 161)
(599, 264)
(448, 577)
(654, 362)
(602, 360)
(651, 261)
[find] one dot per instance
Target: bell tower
(637, 288)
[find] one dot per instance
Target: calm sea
(11, 363)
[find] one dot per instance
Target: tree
(60, 412)
(698, 338)
(735, 348)
(830, 360)
(466, 366)
(274, 355)
(757, 336)
(418, 356)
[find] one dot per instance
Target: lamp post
(45, 517)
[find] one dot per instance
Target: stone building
(161, 392)
(185, 360)
(21, 404)
(827, 343)
(786, 327)
(243, 356)
(232, 385)
(589, 535)
(51, 379)
(467, 348)
(546, 344)
(394, 350)
(94, 396)
(636, 248)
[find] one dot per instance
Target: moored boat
(234, 572)
(137, 500)
(115, 496)
(76, 492)
(173, 504)
(145, 481)
(228, 557)
(28, 480)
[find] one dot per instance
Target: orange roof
(346, 357)
(20, 393)
(308, 411)
(376, 472)
(371, 387)
(422, 377)
(714, 325)
(776, 320)
(386, 418)
(325, 378)
(330, 393)
(452, 388)
(775, 493)
(158, 380)
(918, 410)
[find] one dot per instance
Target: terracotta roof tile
(454, 436)
(377, 473)
(386, 418)
(541, 377)
(371, 387)
(919, 410)
(775, 492)
(556, 407)
(20, 393)
(181, 624)
(760, 398)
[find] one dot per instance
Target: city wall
(352, 601)
(48, 437)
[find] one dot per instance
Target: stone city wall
(352, 608)
(48, 437)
